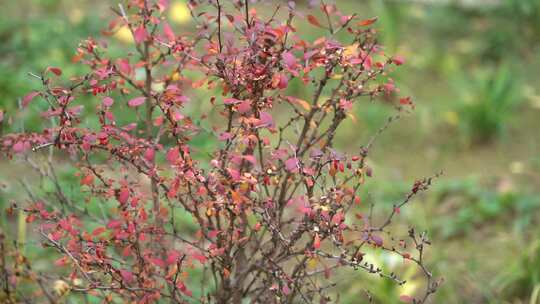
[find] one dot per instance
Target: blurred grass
(472, 70)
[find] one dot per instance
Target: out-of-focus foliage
(489, 98)
(473, 70)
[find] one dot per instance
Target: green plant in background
(521, 277)
(35, 34)
(523, 16)
(390, 17)
(483, 205)
(488, 100)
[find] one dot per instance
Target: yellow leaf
(76, 15)
(124, 35)
(179, 13)
(351, 115)
(350, 50)
(312, 263)
(244, 187)
(61, 287)
(451, 118)
(176, 76)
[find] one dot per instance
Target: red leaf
(200, 257)
(158, 262)
(337, 218)
(182, 287)
(235, 174)
(61, 261)
(177, 116)
(283, 81)
(127, 276)
(405, 100)
(1, 115)
(398, 60)
(251, 159)
(286, 290)
(172, 257)
(406, 299)
(225, 136)
(328, 9)
(123, 196)
(18, 147)
(26, 99)
(289, 60)
(244, 106)
(313, 20)
(140, 34)
(173, 155)
(113, 224)
(55, 70)
(127, 251)
(158, 121)
(292, 164)
(149, 154)
(107, 102)
(368, 61)
(265, 120)
(137, 101)
(123, 65)
(168, 31)
(367, 22)
(163, 5)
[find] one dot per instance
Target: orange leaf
(300, 102)
(317, 241)
(332, 171)
(237, 198)
(88, 180)
(313, 20)
(55, 70)
(199, 83)
(367, 22)
(98, 231)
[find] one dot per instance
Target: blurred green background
(472, 68)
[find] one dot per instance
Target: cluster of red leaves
(275, 195)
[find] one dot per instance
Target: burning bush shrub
(272, 198)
